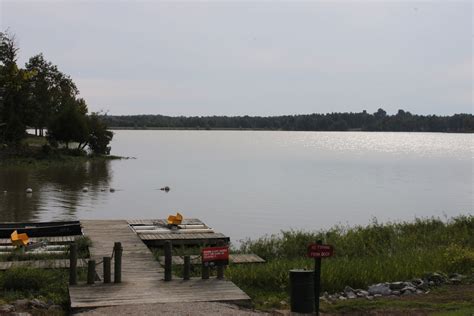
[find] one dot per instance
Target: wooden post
(186, 267)
(317, 280)
(205, 271)
(73, 264)
(168, 260)
(220, 267)
(107, 272)
(118, 262)
(90, 272)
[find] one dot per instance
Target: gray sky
(256, 58)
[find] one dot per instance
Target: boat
(41, 229)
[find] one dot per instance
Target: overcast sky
(254, 57)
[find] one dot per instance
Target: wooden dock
(42, 264)
(235, 259)
(142, 275)
(158, 239)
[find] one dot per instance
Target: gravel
(198, 308)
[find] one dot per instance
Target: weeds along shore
(364, 255)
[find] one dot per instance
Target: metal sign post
(318, 251)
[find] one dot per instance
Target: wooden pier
(158, 238)
(142, 275)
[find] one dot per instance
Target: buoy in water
(112, 190)
(29, 190)
(166, 189)
(5, 192)
(85, 189)
(102, 190)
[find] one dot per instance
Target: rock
(436, 278)
(417, 282)
(396, 285)
(29, 190)
(455, 280)
(396, 293)
(282, 302)
(419, 292)
(55, 308)
(456, 275)
(38, 304)
(377, 295)
(349, 292)
(362, 293)
(20, 314)
(406, 293)
(7, 308)
(342, 298)
(370, 297)
(408, 288)
(21, 304)
(381, 288)
(85, 189)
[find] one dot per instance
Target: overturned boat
(41, 229)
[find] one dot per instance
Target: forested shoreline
(362, 121)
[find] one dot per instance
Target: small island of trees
(41, 97)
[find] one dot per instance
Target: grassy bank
(363, 256)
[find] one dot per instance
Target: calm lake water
(251, 183)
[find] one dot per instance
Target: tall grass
(363, 254)
(25, 282)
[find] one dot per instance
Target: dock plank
(142, 275)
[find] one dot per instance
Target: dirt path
(198, 309)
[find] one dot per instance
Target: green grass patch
(45, 284)
(364, 255)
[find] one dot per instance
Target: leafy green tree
(69, 125)
(14, 92)
(99, 137)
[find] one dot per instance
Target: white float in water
(84, 189)
(29, 190)
(112, 190)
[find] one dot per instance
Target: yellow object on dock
(19, 239)
(175, 220)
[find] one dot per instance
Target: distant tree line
(39, 96)
(362, 121)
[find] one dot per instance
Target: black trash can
(302, 291)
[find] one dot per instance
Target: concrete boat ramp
(142, 275)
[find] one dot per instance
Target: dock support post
(90, 271)
(118, 262)
(220, 267)
(168, 260)
(205, 272)
(73, 264)
(107, 272)
(186, 267)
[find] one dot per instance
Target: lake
(251, 183)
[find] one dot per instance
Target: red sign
(320, 251)
(215, 256)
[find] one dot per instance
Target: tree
(51, 90)
(14, 92)
(99, 137)
(69, 125)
